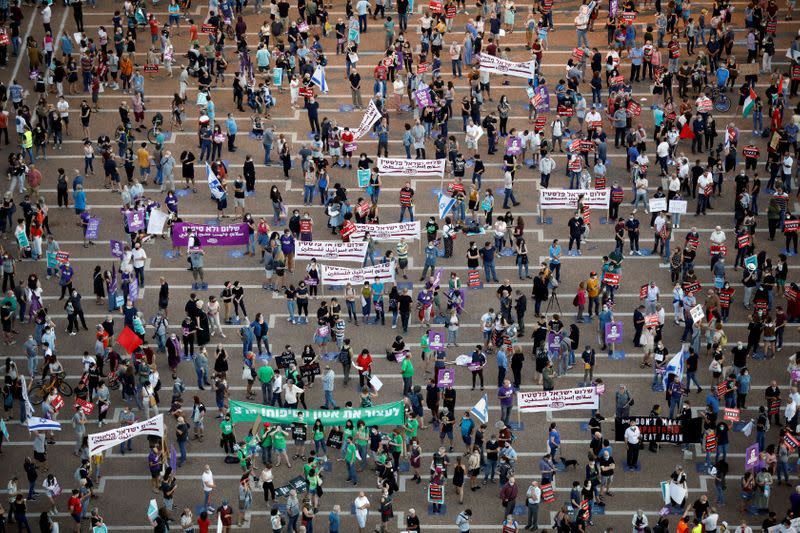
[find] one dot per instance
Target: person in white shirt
(653, 294)
(62, 106)
(639, 521)
(361, 505)
(546, 166)
(662, 156)
(212, 310)
(208, 485)
(710, 521)
(139, 257)
(743, 528)
(632, 437)
(290, 394)
(705, 185)
(532, 500)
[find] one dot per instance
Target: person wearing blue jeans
(487, 253)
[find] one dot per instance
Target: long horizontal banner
(98, 442)
(660, 429)
(495, 65)
(558, 400)
(223, 235)
(388, 166)
(389, 414)
(388, 232)
(371, 116)
(331, 250)
(568, 198)
(336, 275)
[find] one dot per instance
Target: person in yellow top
(143, 157)
(593, 293)
(27, 144)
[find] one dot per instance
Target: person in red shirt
(75, 508)
(203, 522)
(363, 365)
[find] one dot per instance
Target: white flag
(319, 80)
(481, 410)
(213, 183)
(446, 203)
(675, 366)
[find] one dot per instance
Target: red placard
(62, 256)
(208, 29)
(723, 388)
(450, 12)
(600, 182)
(435, 7)
(692, 287)
(565, 111)
(86, 407)
(473, 279)
(539, 123)
(731, 414)
(151, 68)
(634, 108)
(307, 92)
(719, 250)
(705, 105)
(348, 229)
(575, 164)
(772, 26)
(596, 124)
(725, 296)
(129, 340)
(790, 440)
(587, 214)
(548, 494)
(362, 209)
(629, 17)
(790, 293)
(611, 279)
(643, 292)
(791, 225)
(305, 225)
(651, 321)
(692, 241)
(57, 403)
(761, 305)
(4, 39)
(616, 80)
(795, 73)
(744, 240)
(750, 152)
(423, 67)
(617, 195)
(577, 54)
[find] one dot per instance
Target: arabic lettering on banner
(558, 400)
(224, 235)
(135, 220)
(389, 414)
(568, 198)
(92, 229)
(332, 251)
(371, 116)
(495, 65)
(411, 167)
(99, 442)
(336, 275)
(388, 232)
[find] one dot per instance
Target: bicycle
(42, 390)
(154, 134)
(721, 101)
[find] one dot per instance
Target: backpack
(344, 356)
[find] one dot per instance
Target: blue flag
(319, 80)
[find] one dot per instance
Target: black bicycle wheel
(722, 103)
(152, 136)
(65, 388)
(36, 395)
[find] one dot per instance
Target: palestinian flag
(749, 103)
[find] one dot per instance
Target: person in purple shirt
(65, 279)
(287, 247)
(506, 395)
(172, 202)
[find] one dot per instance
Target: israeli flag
(319, 80)
(481, 410)
(213, 183)
(675, 366)
(446, 203)
(36, 423)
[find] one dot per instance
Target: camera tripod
(553, 299)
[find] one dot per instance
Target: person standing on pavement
(633, 437)
(532, 500)
(508, 495)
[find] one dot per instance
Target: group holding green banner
(389, 414)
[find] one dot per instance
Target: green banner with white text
(389, 414)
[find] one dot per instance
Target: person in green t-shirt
(362, 441)
(426, 351)
(266, 374)
(350, 458)
(228, 439)
(314, 481)
(279, 445)
(407, 372)
(397, 445)
(265, 441)
(411, 427)
(318, 435)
